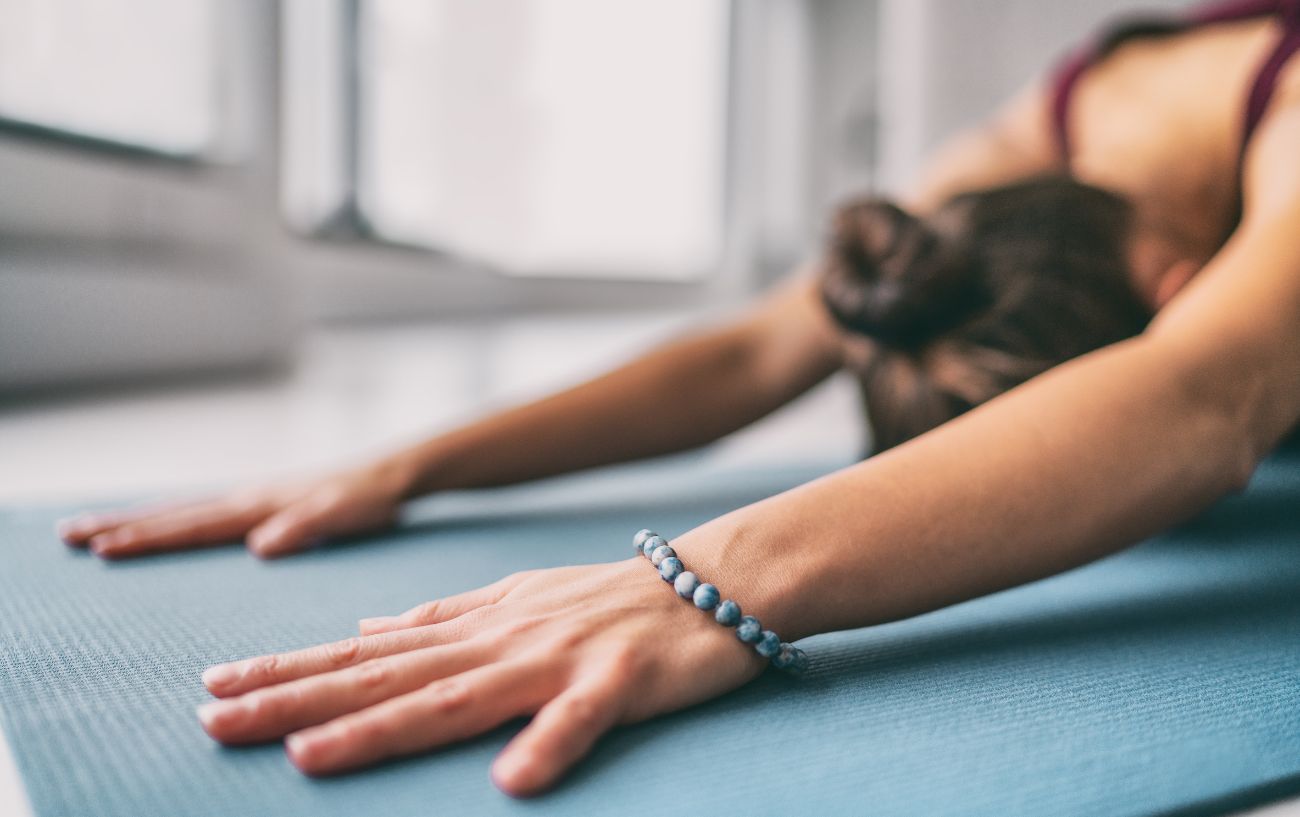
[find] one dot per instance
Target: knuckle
(522, 625)
(292, 519)
(288, 520)
(520, 576)
(128, 532)
(469, 624)
(373, 674)
(265, 667)
(424, 612)
(507, 585)
(570, 638)
(625, 664)
(258, 706)
(361, 730)
(486, 642)
(448, 695)
(328, 498)
(343, 653)
(273, 702)
(580, 710)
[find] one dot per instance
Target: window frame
(235, 197)
(343, 218)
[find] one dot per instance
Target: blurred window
(571, 137)
(141, 74)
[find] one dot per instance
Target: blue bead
(799, 663)
(749, 630)
(768, 645)
(728, 613)
(784, 657)
(638, 541)
(685, 584)
(651, 543)
(660, 553)
(671, 568)
(706, 596)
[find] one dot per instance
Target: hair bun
(890, 276)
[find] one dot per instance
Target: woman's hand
(273, 520)
(579, 648)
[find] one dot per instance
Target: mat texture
(1163, 680)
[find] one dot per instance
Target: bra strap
(1261, 90)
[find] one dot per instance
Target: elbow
(1230, 452)
(1239, 466)
(1226, 403)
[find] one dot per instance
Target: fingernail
(219, 676)
(309, 748)
(208, 713)
(376, 623)
(295, 744)
(257, 541)
(508, 773)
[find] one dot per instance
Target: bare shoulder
(1240, 316)
(1272, 162)
(1024, 125)
(1014, 142)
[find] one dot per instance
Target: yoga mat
(1163, 680)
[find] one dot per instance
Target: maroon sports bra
(1287, 13)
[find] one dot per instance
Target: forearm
(678, 397)
(1077, 463)
(681, 395)
(1061, 471)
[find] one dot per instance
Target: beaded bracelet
(726, 612)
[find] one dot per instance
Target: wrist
(401, 474)
(449, 462)
(771, 576)
(704, 596)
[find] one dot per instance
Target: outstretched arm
(683, 394)
(1088, 458)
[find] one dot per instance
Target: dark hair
(996, 287)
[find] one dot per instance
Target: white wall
(946, 63)
(115, 263)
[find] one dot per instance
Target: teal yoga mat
(1162, 680)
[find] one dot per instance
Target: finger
(203, 524)
(77, 530)
(440, 610)
(293, 529)
(561, 733)
(238, 677)
(275, 711)
(442, 712)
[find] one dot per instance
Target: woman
(1082, 328)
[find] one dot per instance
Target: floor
(353, 392)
